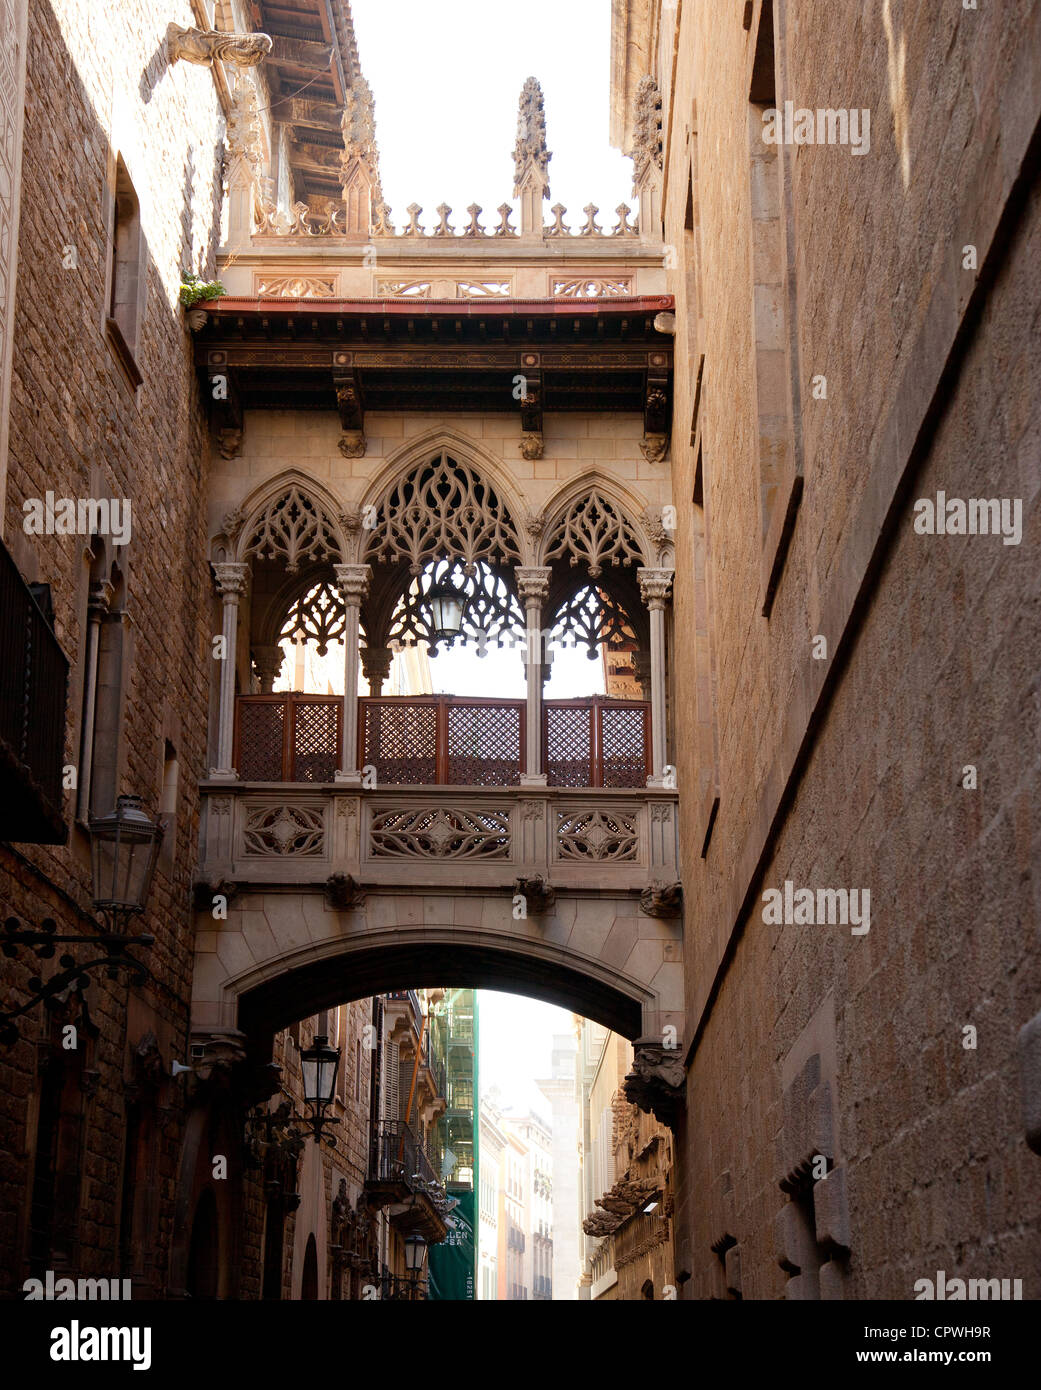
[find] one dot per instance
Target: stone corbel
(657, 1083)
(203, 893)
(351, 408)
(223, 391)
(343, 893)
(207, 46)
(539, 896)
(656, 408)
(663, 900)
(532, 441)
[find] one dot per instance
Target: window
(126, 275)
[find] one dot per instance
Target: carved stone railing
(458, 837)
(301, 221)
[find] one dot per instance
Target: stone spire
(245, 157)
(531, 158)
(647, 156)
(360, 163)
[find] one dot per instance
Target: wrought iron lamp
(446, 603)
(320, 1064)
(124, 847)
(415, 1260)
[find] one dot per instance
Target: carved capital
(533, 583)
(353, 583)
(657, 1082)
(207, 46)
(655, 586)
(232, 579)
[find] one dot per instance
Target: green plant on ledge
(196, 291)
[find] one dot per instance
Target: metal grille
(400, 742)
(484, 745)
(569, 745)
(262, 731)
(623, 745)
(316, 741)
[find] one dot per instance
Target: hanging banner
(453, 1262)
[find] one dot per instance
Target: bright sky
(447, 77)
(516, 1042)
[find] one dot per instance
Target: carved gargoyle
(662, 900)
(657, 1083)
(540, 896)
(342, 892)
(203, 893)
(207, 46)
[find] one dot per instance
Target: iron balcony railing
(398, 1156)
(33, 682)
(444, 740)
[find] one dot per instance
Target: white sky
(515, 1047)
(447, 77)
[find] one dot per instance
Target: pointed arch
(291, 516)
(624, 513)
(468, 453)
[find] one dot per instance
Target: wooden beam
(301, 53)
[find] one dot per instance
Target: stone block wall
(849, 769)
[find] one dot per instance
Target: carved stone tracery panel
(440, 833)
(284, 830)
(598, 836)
(594, 532)
(293, 528)
(443, 510)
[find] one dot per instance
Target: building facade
(855, 272)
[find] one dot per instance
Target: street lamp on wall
(123, 851)
(415, 1261)
(319, 1064)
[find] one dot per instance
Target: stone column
(375, 664)
(232, 581)
(654, 590)
(533, 588)
(353, 583)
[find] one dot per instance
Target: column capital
(376, 663)
(353, 583)
(655, 586)
(533, 583)
(232, 578)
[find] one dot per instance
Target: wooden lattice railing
(444, 740)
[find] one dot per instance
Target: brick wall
(98, 85)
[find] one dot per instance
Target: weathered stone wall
(848, 771)
(99, 86)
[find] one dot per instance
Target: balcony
(443, 740)
(403, 1180)
(33, 679)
